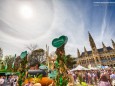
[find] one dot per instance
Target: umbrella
(43, 67)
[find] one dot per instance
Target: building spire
(78, 53)
(113, 43)
(104, 47)
(92, 43)
(1, 53)
(85, 51)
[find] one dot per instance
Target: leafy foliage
(38, 55)
(70, 61)
(8, 60)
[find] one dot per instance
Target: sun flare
(26, 11)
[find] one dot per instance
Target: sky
(25, 22)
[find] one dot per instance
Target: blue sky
(25, 22)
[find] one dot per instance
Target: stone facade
(103, 56)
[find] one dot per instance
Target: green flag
(23, 54)
(6, 66)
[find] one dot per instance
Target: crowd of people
(8, 80)
(90, 77)
(94, 77)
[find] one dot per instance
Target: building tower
(92, 44)
(104, 47)
(85, 51)
(78, 53)
(1, 53)
(113, 43)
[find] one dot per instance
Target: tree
(70, 61)
(9, 60)
(38, 55)
(17, 63)
(32, 47)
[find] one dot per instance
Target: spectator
(104, 81)
(112, 77)
(1, 81)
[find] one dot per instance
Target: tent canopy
(79, 67)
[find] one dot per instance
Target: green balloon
(58, 42)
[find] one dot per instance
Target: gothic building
(1, 53)
(103, 56)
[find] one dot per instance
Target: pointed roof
(112, 41)
(104, 47)
(78, 53)
(92, 43)
(85, 49)
(99, 50)
(103, 44)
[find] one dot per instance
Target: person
(36, 67)
(98, 75)
(80, 77)
(104, 81)
(37, 64)
(12, 80)
(1, 81)
(89, 78)
(112, 77)
(86, 77)
(5, 80)
(15, 81)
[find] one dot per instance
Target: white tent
(93, 68)
(79, 67)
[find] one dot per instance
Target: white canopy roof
(79, 67)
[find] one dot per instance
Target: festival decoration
(45, 81)
(13, 61)
(23, 54)
(53, 74)
(60, 64)
(43, 67)
(13, 65)
(22, 68)
(6, 66)
(58, 42)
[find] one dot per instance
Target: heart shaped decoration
(23, 54)
(58, 42)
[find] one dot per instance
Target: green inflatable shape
(58, 42)
(23, 54)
